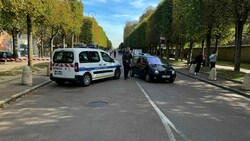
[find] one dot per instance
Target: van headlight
(156, 72)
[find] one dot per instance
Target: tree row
(191, 23)
(46, 20)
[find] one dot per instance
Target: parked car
(82, 65)
(151, 68)
(5, 56)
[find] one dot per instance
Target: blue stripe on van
(98, 68)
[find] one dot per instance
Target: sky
(113, 14)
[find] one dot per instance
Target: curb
(15, 96)
(236, 81)
(224, 87)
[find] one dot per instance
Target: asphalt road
(128, 110)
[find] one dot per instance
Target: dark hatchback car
(151, 68)
(7, 57)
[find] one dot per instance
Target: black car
(151, 68)
(5, 56)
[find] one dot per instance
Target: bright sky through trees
(113, 14)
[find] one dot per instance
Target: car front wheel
(147, 77)
(171, 80)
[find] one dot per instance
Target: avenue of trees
(91, 32)
(191, 23)
(46, 20)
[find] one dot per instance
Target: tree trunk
(15, 45)
(52, 41)
(181, 52)
(189, 59)
(51, 46)
(63, 40)
(42, 49)
(176, 57)
(216, 43)
(167, 49)
(238, 39)
(30, 47)
(208, 45)
(72, 41)
(203, 53)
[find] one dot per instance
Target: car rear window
(154, 60)
(63, 57)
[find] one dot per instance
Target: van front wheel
(117, 73)
(86, 80)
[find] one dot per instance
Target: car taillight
(76, 67)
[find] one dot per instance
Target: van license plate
(58, 73)
(165, 76)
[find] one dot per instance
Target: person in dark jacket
(198, 61)
(126, 61)
(114, 53)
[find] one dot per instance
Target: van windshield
(63, 57)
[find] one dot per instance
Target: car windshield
(154, 60)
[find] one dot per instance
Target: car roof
(148, 56)
(77, 49)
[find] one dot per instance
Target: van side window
(106, 57)
(94, 56)
(84, 57)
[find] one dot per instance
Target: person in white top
(213, 58)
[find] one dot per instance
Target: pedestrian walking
(198, 62)
(114, 53)
(126, 61)
(213, 58)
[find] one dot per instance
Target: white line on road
(166, 122)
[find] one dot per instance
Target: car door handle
(100, 64)
(104, 64)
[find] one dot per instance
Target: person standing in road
(126, 61)
(198, 61)
(213, 58)
(114, 53)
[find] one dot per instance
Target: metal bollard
(27, 76)
(212, 74)
(246, 82)
(192, 69)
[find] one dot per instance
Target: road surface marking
(166, 122)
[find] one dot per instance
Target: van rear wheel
(60, 82)
(86, 80)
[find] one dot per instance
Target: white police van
(82, 65)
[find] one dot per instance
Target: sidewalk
(12, 88)
(231, 85)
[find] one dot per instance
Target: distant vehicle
(91, 46)
(5, 56)
(80, 45)
(137, 52)
(82, 65)
(151, 68)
